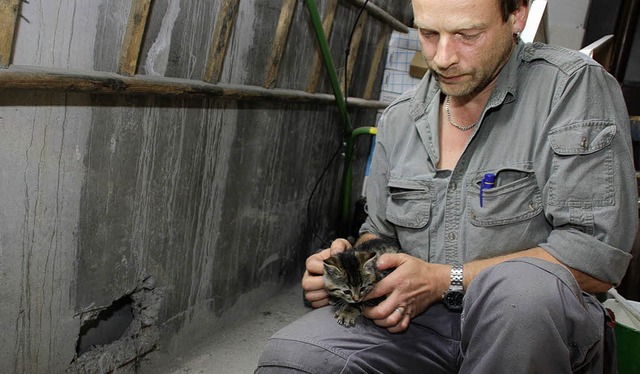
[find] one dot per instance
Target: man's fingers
(339, 245)
(314, 263)
(320, 303)
(391, 260)
(312, 282)
(401, 326)
(395, 319)
(382, 310)
(316, 295)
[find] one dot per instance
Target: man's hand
(312, 281)
(410, 289)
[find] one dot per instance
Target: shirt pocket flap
(409, 202)
(516, 201)
(582, 138)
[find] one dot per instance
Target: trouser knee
(532, 312)
(519, 288)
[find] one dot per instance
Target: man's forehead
(455, 14)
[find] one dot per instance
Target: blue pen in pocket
(488, 182)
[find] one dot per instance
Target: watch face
(453, 300)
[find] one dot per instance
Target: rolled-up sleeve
(590, 193)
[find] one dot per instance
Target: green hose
(328, 62)
(349, 133)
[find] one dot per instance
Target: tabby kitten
(350, 275)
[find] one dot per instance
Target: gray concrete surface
(235, 349)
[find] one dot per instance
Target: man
(506, 175)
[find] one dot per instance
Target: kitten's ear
(332, 267)
(370, 261)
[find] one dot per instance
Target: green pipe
(349, 133)
(364, 131)
(328, 62)
(342, 108)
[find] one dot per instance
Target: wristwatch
(452, 299)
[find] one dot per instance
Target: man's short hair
(509, 6)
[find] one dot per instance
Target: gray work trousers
(521, 316)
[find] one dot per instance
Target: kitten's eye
(347, 292)
(364, 289)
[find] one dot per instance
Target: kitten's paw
(347, 317)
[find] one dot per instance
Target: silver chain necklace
(461, 128)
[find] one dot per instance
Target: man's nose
(445, 53)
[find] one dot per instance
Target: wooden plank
(381, 15)
(327, 26)
(280, 41)
(95, 82)
(354, 48)
(133, 37)
(221, 36)
(9, 10)
(383, 39)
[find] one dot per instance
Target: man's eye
(469, 36)
(428, 34)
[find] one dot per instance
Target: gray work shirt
(555, 132)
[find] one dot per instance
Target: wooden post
(220, 40)
(327, 26)
(8, 18)
(280, 41)
(133, 37)
(383, 38)
(353, 48)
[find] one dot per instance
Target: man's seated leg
(529, 316)
(316, 343)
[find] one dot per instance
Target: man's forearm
(586, 282)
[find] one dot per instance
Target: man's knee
(513, 306)
(521, 286)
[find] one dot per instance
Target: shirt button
(453, 186)
(451, 236)
(532, 206)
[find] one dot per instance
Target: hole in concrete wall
(108, 326)
(115, 338)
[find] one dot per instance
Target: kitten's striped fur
(350, 275)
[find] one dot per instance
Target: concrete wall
(176, 215)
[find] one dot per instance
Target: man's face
(465, 42)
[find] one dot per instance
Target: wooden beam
(132, 42)
(354, 49)
(327, 26)
(381, 15)
(9, 10)
(105, 83)
(280, 41)
(383, 40)
(221, 36)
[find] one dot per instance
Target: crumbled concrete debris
(139, 339)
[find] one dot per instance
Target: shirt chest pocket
(409, 202)
(515, 198)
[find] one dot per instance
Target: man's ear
(519, 18)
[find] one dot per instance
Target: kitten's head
(350, 275)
